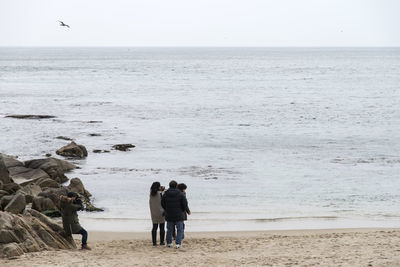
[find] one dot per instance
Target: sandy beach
(334, 247)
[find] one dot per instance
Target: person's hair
(181, 186)
(155, 187)
(173, 184)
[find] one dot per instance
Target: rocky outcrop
(123, 147)
(73, 150)
(16, 205)
(30, 191)
(55, 168)
(11, 188)
(30, 232)
(43, 204)
(21, 174)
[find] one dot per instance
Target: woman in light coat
(157, 212)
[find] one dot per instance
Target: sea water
(264, 138)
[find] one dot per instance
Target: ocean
(264, 138)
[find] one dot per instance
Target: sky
(259, 23)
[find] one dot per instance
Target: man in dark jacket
(174, 203)
(69, 205)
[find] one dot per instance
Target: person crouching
(69, 205)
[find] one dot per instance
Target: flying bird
(63, 24)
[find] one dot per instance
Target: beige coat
(157, 212)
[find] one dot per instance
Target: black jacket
(174, 203)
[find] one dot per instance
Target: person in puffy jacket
(174, 203)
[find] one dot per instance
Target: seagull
(63, 24)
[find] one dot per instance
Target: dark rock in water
(94, 121)
(123, 147)
(16, 205)
(11, 187)
(48, 155)
(73, 150)
(43, 204)
(94, 134)
(100, 151)
(30, 192)
(30, 232)
(31, 117)
(4, 174)
(64, 138)
(55, 168)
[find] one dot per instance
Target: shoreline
(98, 236)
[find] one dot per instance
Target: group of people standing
(171, 206)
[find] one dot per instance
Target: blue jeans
(84, 234)
(179, 232)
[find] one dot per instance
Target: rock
(4, 174)
(47, 155)
(55, 168)
(3, 193)
(47, 183)
(10, 161)
(1, 185)
(43, 204)
(30, 232)
(73, 150)
(123, 147)
(100, 151)
(94, 134)
(76, 185)
(31, 117)
(11, 188)
(16, 205)
(4, 201)
(30, 191)
(94, 121)
(12, 250)
(20, 174)
(64, 138)
(54, 194)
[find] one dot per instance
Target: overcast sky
(200, 23)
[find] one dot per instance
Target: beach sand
(334, 247)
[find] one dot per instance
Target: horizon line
(178, 46)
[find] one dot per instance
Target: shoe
(162, 244)
(169, 245)
(154, 245)
(85, 247)
(178, 246)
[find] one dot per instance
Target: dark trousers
(154, 233)
(84, 234)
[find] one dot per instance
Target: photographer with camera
(157, 212)
(69, 205)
